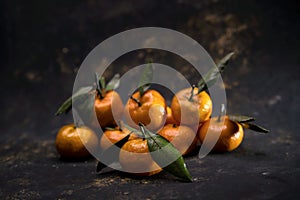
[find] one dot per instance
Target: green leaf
(102, 82)
(137, 132)
(85, 106)
(224, 62)
(165, 152)
(110, 129)
(241, 118)
(100, 85)
(111, 154)
(146, 79)
(67, 105)
(113, 83)
(213, 74)
(97, 80)
(254, 127)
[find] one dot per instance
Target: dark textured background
(44, 42)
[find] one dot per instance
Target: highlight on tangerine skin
(135, 158)
(108, 109)
(71, 141)
(191, 109)
(182, 137)
(170, 119)
(111, 137)
(149, 109)
(231, 136)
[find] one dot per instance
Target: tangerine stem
(100, 94)
(222, 112)
(219, 118)
(76, 124)
(98, 86)
(142, 128)
(192, 93)
(120, 125)
(136, 101)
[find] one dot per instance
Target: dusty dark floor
(45, 44)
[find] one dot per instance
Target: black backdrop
(44, 42)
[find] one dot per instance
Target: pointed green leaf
(111, 154)
(110, 129)
(102, 82)
(224, 62)
(97, 80)
(165, 152)
(241, 118)
(146, 79)
(213, 74)
(137, 132)
(85, 106)
(67, 105)
(113, 83)
(100, 85)
(254, 127)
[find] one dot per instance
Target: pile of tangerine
(184, 123)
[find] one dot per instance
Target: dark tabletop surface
(46, 41)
